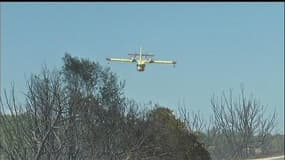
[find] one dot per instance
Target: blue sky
(217, 46)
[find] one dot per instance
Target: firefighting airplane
(141, 61)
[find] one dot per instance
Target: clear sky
(217, 46)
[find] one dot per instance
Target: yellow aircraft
(141, 61)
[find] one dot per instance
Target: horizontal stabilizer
(133, 54)
(137, 54)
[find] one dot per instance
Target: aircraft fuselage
(140, 67)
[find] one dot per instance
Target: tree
(238, 122)
(30, 131)
(171, 138)
(95, 108)
(72, 113)
(193, 120)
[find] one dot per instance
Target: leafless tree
(31, 131)
(240, 122)
(46, 103)
(194, 120)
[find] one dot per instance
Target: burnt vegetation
(80, 112)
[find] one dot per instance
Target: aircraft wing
(162, 62)
(121, 60)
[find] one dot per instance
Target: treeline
(219, 147)
(80, 112)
